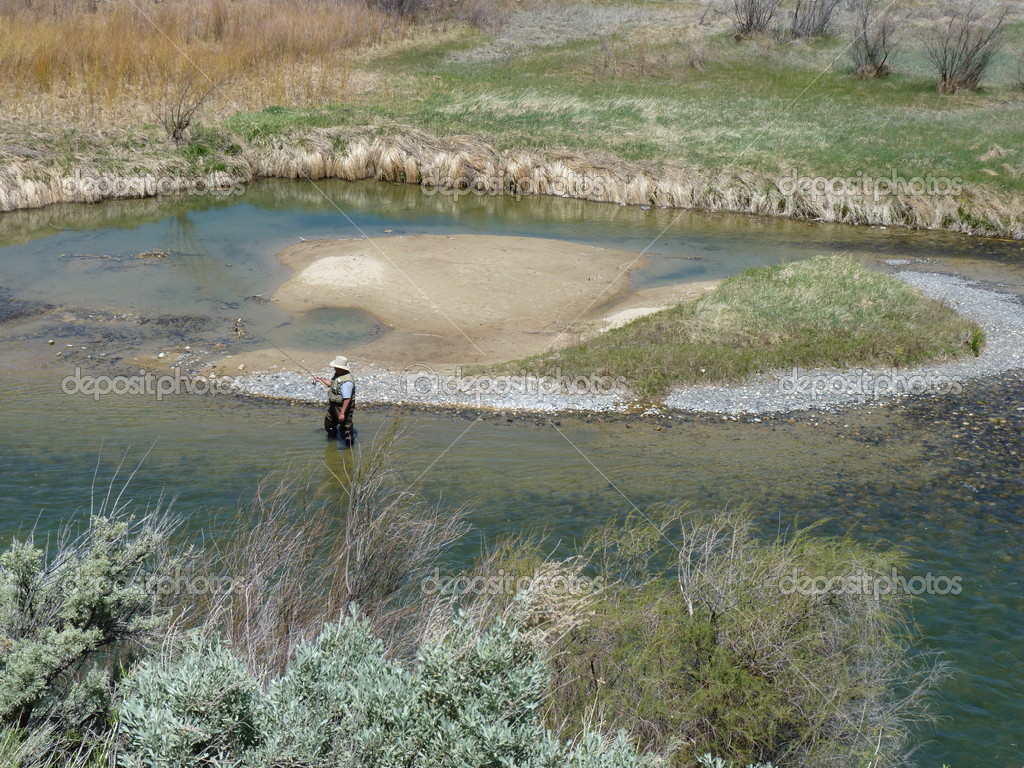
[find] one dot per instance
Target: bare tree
(876, 37)
(963, 47)
(813, 18)
(182, 99)
(751, 17)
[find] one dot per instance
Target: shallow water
(941, 478)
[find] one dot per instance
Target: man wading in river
(341, 397)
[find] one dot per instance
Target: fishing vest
(334, 394)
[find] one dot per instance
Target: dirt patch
(450, 300)
(650, 300)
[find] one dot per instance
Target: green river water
(941, 478)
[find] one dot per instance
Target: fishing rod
(315, 377)
(319, 379)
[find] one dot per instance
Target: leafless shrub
(837, 660)
(697, 57)
(299, 555)
(488, 15)
(813, 18)
(709, 10)
(548, 596)
(752, 17)
(181, 101)
(876, 30)
(963, 46)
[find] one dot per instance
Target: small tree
(962, 48)
(813, 18)
(876, 30)
(182, 99)
(751, 17)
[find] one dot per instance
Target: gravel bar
(418, 385)
(826, 389)
(1000, 315)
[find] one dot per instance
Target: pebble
(1001, 315)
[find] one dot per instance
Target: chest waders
(335, 424)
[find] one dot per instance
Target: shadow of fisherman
(341, 401)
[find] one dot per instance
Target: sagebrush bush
(200, 706)
(58, 611)
(471, 699)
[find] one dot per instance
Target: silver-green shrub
(57, 612)
(471, 699)
(196, 708)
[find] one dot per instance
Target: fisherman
(341, 397)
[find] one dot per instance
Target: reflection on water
(224, 246)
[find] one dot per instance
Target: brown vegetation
(876, 28)
(75, 58)
(963, 45)
(300, 555)
(414, 157)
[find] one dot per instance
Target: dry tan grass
(64, 59)
(466, 162)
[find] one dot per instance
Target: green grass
(829, 311)
(275, 120)
(755, 105)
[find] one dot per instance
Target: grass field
(829, 311)
(641, 82)
(753, 104)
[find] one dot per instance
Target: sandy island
(452, 300)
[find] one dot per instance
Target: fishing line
(316, 378)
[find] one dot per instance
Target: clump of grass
(829, 311)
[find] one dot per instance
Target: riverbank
(37, 171)
(1000, 316)
(655, 106)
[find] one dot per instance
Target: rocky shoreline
(1000, 315)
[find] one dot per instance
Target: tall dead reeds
(473, 166)
(303, 552)
(117, 52)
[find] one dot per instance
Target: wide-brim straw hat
(339, 362)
